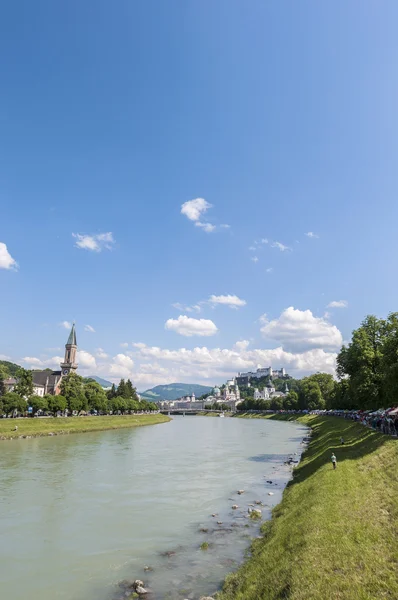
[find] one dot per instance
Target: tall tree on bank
(24, 385)
(72, 388)
(362, 362)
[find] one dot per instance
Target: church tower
(70, 365)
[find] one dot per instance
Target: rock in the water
(235, 506)
(219, 522)
(206, 598)
(138, 583)
(270, 493)
(240, 492)
(148, 568)
(141, 591)
(256, 511)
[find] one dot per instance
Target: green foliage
(10, 368)
(38, 403)
(96, 397)
(204, 546)
(12, 402)
(24, 386)
(56, 404)
(72, 388)
(4, 374)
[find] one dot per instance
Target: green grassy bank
(335, 533)
(40, 427)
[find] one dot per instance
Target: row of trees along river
(77, 394)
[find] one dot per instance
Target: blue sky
(281, 116)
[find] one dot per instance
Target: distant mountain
(103, 382)
(11, 368)
(172, 391)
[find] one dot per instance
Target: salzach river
(81, 513)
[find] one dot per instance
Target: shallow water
(80, 513)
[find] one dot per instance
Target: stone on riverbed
(235, 506)
(240, 492)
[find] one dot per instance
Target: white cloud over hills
(188, 326)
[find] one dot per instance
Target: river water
(80, 513)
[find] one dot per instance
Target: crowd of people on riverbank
(383, 421)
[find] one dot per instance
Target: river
(80, 513)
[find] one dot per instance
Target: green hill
(10, 367)
(104, 382)
(172, 391)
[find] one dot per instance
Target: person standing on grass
(342, 441)
(334, 461)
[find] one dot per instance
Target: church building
(50, 381)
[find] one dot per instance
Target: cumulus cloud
(95, 243)
(100, 353)
(33, 362)
(338, 304)
(66, 324)
(189, 326)
(311, 234)
(280, 246)
(121, 366)
(86, 360)
(124, 345)
(299, 330)
(207, 227)
(228, 300)
(194, 209)
(89, 328)
(269, 270)
(217, 364)
(254, 259)
(6, 260)
(194, 308)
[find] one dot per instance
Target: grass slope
(335, 533)
(39, 427)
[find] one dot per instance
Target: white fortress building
(244, 378)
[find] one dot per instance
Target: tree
(121, 389)
(362, 362)
(310, 395)
(38, 403)
(96, 397)
(56, 404)
(3, 376)
(12, 402)
(72, 388)
(24, 385)
(292, 400)
(112, 392)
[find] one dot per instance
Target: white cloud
(225, 226)
(254, 259)
(95, 243)
(299, 330)
(189, 327)
(66, 324)
(89, 328)
(217, 364)
(338, 304)
(86, 360)
(311, 234)
(33, 362)
(269, 270)
(4, 357)
(252, 248)
(100, 353)
(207, 227)
(229, 300)
(194, 308)
(124, 345)
(280, 246)
(194, 209)
(6, 260)
(121, 366)
(264, 241)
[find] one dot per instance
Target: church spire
(70, 365)
(72, 337)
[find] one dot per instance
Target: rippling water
(80, 513)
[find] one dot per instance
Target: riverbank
(36, 427)
(335, 533)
